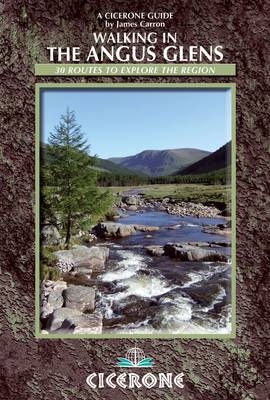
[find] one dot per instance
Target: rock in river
(112, 229)
(146, 228)
(191, 253)
(116, 230)
(80, 298)
(219, 229)
(155, 250)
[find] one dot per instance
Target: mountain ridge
(221, 158)
(160, 162)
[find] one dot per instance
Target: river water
(160, 295)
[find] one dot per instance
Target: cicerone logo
(135, 358)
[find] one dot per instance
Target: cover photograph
(134, 177)
(141, 243)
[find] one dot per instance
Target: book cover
(134, 200)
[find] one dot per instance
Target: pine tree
(69, 179)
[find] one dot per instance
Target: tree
(69, 179)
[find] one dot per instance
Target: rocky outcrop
(116, 230)
(50, 235)
(220, 229)
(137, 202)
(185, 252)
(81, 258)
(81, 298)
(57, 318)
(113, 230)
(146, 228)
(93, 257)
(83, 324)
(132, 208)
(63, 305)
(190, 251)
(206, 295)
(68, 320)
(51, 297)
(195, 209)
(155, 250)
(131, 200)
(63, 309)
(174, 227)
(208, 244)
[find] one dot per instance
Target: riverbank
(218, 196)
(138, 202)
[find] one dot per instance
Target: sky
(123, 122)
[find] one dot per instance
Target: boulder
(130, 200)
(155, 250)
(208, 244)
(115, 217)
(80, 298)
(191, 253)
(220, 244)
(217, 230)
(57, 318)
(48, 285)
(83, 324)
(50, 235)
(92, 258)
(46, 310)
(146, 228)
(174, 227)
(204, 295)
(67, 320)
(139, 306)
(133, 208)
(55, 299)
(82, 271)
(112, 229)
(59, 285)
(51, 296)
(197, 244)
(162, 208)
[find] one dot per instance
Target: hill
(160, 162)
(220, 159)
(111, 167)
(101, 164)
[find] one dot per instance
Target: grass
(217, 195)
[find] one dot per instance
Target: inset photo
(135, 216)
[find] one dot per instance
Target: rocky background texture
(34, 369)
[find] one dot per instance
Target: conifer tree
(70, 188)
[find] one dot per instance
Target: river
(159, 294)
